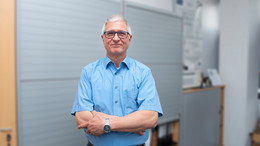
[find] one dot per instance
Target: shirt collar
(126, 61)
(106, 61)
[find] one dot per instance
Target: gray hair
(114, 18)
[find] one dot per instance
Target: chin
(117, 51)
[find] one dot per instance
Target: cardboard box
(255, 139)
(256, 135)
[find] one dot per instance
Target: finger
(94, 113)
(85, 125)
(100, 117)
(88, 131)
(80, 126)
(141, 133)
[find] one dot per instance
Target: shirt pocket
(131, 101)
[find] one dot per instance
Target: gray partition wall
(157, 42)
(57, 38)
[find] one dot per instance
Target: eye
(110, 33)
(122, 33)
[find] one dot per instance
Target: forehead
(117, 25)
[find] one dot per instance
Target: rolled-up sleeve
(83, 100)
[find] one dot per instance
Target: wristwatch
(107, 128)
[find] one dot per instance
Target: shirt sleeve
(83, 100)
(148, 98)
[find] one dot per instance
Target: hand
(95, 125)
(84, 125)
(139, 131)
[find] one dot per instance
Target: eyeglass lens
(120, 34)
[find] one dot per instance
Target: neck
(117, 59)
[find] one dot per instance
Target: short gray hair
(114, 18)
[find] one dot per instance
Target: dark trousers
(90, 144)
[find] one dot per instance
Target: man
(117, 99)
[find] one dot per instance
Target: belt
(90, 144)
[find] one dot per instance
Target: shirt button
(115, 101)
(115, 87)
(116, 73)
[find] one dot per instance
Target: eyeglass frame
(116, 32)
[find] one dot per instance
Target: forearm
(139, 120)
(139, 131)
(83, 117)
(136, 122)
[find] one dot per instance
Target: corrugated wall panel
(56, 39)
(168, 82)
(46, 113)
(157, 42)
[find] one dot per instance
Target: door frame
(8, 94)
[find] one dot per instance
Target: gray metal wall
(57, 38)
(157, 40)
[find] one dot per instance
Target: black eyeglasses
(120, 34)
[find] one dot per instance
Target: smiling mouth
(116, 45)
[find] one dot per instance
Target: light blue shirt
(117, 91)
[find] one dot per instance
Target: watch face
(107, 128)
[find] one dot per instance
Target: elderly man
(117, 100)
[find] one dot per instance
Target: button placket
(116, 89)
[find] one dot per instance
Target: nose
(116, 37)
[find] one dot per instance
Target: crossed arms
(136, 122)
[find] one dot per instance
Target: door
(8, 119)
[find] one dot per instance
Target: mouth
(116, 45)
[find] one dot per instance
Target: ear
(102, 36)
(130, 38)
